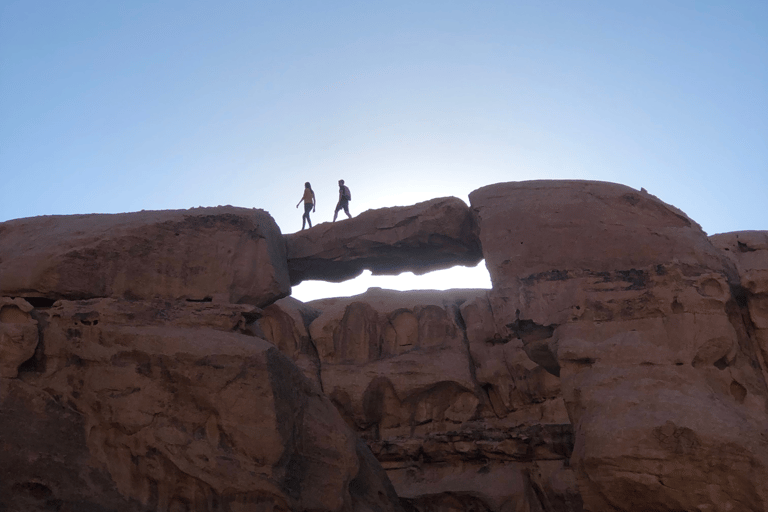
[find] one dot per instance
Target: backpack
(346, 194)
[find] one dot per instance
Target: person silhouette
(309, 204)
(345, 196)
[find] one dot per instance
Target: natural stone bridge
(152, 361)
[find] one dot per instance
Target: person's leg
(307, 210)
(336, 212)
(346, 210)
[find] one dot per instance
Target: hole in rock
(451, 278)
(40, 302)
(722, 363)
(738, 391)
(204, 299)
(33, 489)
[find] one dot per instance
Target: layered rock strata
(226, 254)
(625, 299)
(459, 419)
(157, 395)
(426, 236)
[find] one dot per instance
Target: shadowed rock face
(427, 236)
(138, 406)
(460, 418)
(627, 301)
(224, 254)
(748, 250)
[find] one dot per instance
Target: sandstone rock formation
(618, 363)
(139, 405)
(748, 250)
(626, 300)
(426, 236)
(420, 375)
(18, 335)
(225, 254)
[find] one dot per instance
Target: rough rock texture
(420, 238)
(748, 250)
(624, 298)
(161, 406)
(224, 254)
(284, 323)
(18, 335)
(618, 363)
(412, 373)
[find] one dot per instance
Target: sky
(110, 107)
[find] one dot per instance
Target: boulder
(427, 236)
(138, 406)
(224, 254)
(625, 299)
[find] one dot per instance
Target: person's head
(341, 183)
(307, 185)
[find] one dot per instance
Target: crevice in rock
(480, 390)
(529, 331)
(739, 316)
(534, 338)
(40, 302)
(744, 247)
(36, 363)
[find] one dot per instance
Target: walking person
(345, 196)
(309, 204)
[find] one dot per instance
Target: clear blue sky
(122, 106)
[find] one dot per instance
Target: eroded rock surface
(420, 238)
(618, 363)
(459, 418)
(748, 250)
(225, 254)
(137, 405)
(627, 301)
(18, 335)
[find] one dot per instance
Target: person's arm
(314, 202)
(300, 200)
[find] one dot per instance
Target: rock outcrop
(225, 254)
(420, 238)
(154, 392)
(151, 361)
(627, 301)
(459, 419)
(748, 250)
(136, 405)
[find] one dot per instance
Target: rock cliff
(459, 420)
(148, 361)
(130, 379)
(627, 301)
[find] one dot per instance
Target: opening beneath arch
(454, 277)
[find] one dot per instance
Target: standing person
(309, 204)
(345, 196)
